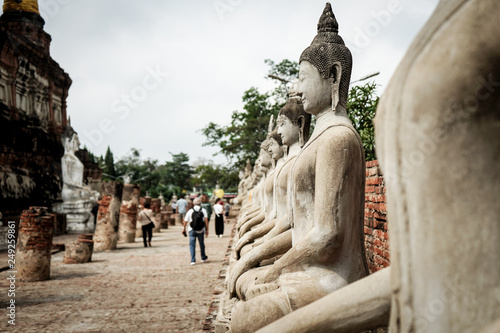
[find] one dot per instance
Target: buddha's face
(287, 130)
(265, 159)
(275, 150)
(315, 91)
(75, 142)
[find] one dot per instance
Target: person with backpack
(196, 221)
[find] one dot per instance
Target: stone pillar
(177, 219)
(108, 217)
(156, 208)
(166, 214)
(34, 244)
(171, 219)
(80, 251)
(128, 213)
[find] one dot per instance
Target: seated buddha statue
(326, 195)
(293, 128)
(72, 171)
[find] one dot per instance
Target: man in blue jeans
(193, 234)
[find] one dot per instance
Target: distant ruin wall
(376, 229)
(29, 164)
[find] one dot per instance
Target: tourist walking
(227, 208)
(174, 206)
(145, 218)
(219, 218)
(197, 226)
(181, 207)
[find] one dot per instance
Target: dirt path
(132, 289)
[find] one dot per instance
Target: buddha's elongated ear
(335, 76)
(301, 123)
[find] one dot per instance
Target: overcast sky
(149, 74)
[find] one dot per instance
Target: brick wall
(376, 229)
(33, 91)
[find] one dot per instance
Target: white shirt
(143, 216)
(188, 218)
(218, 209)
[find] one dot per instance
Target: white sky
(212, 50)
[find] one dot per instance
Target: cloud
(211, 59)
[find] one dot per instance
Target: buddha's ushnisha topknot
(327, 48)
(327, 21)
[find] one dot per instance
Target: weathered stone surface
(78, 199)
(437, 136)
(80, 251)
(34, 245)
(340, 311)
(437, 128)
(128, 213)
(33, 91)
(108, 219)
(156, 208)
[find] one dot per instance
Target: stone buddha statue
(254, 211)
(72, 171)
(437, 128)
(273, 145)
(77, 198)
(243, 185)
(293, 129)
(326, 194)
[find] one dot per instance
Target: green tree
(178, 172)
(361, 107)
(142, 173)
(109, 164)
(153, 178)
(241, 139)
(206, 176)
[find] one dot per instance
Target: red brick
(370, 189)
(379, 215)
(373, 181)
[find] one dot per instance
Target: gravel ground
(131, 289)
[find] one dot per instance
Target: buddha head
(325, 68)
(293, 122)
(248, 168)
(264, 158)
(70, 140)
(275, 146)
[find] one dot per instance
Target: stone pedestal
(80, 251)
(78, 215)
(128, 213)
(165, 217)
(34, 244)
(108, 217)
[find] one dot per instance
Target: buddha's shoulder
(339, 134)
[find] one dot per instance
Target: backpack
(197, 222)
